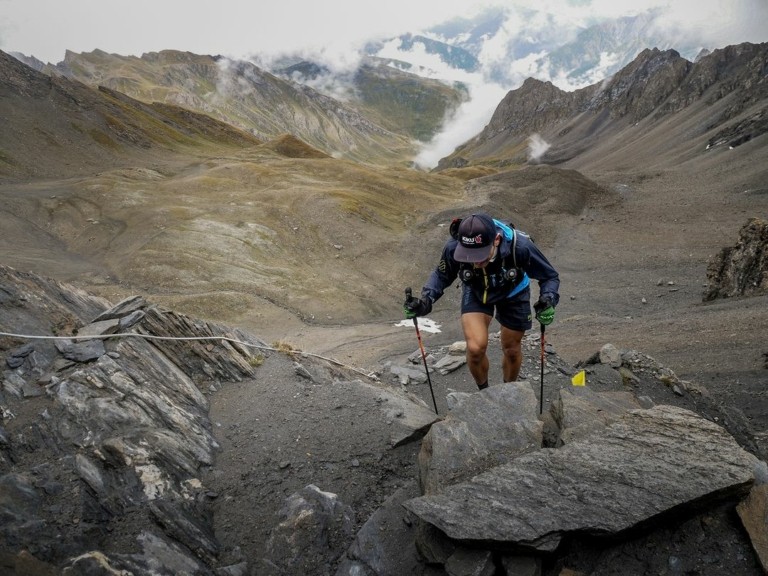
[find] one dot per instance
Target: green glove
(545, 311)
(546, 316)
(416, 307)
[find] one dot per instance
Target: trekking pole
(541, 391)
(423, 353)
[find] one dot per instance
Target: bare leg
(475, 326)
(512, 353)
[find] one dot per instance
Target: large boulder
(741, 270)
(482, 430)
(647, 465)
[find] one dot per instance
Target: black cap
(475, 235)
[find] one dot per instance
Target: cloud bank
(531, 34)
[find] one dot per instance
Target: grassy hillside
(406, 103)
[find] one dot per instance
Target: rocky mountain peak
(642, 86)
(18, 78)
(654, 85)
(532, 106)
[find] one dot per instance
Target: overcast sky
(46, 28)
(241, 28)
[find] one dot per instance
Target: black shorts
(513, 313)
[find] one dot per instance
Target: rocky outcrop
(311, 521)
(103, 449)
(647, 475)
(122, 433)
(105, 437)
(482, 430)
(630, 474)
(741, 270)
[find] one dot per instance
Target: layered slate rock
(579, 411)
(103, 469)
(481, 431)
(122, 434)
(648, 464)
(385, 543)
(406, 415)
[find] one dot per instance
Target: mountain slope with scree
(311, 255)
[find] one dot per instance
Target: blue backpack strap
(509, 234)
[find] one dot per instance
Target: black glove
(417, 306)
(545, 310)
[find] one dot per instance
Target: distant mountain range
(725, 91)
(398, 97)
(386, 110)
(503, 47)
(568, 57)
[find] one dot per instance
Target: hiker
(495, 262)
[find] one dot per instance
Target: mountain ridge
(48, 119)
(656, 84)
(263, 103)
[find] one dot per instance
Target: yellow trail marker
(580, 379)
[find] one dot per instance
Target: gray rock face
(312, 522)
(644, 466)
(579, 411)
(81, 351)
(123, 437)
(407, 415)
(481, 431)
(741, 270)
(385, 543)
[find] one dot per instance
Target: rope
(183, 338)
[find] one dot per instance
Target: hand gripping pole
(423, 353)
